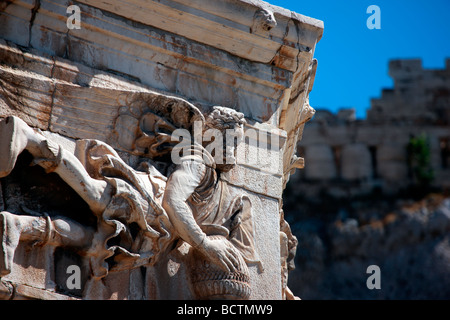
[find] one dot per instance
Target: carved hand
(220, 253)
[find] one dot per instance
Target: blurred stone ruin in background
(375, 191)
(92, 205)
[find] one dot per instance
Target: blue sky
(353, 60)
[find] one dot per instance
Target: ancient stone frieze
(118, 180)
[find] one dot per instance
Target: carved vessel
(211, 282)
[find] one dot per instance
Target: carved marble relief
(142, 214)
(114, 149)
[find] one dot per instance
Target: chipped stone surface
(131, 58)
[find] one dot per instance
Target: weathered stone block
(108, 98)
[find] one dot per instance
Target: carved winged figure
(141, 214)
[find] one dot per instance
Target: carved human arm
(56, 231)
(180, 186)
(18, 136)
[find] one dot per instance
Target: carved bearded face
(227, 124)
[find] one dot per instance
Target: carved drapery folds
(132, 179)
(140, 215)
(144, 126)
